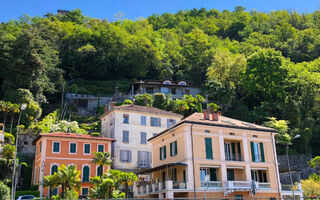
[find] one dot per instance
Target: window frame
(125, 118)
(123, 136)
(82, 191)
(129, 156)
(53, 142)
(53, 164)
(82, 174)
(98, 148)
(158, 119)
(145, 138)
(84, 149)
(74, 153)
(145, 120)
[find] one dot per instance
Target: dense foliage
(254, 64)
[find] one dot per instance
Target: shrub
(71, 194)
(9, 138)
(95, 134)
(4, 191)
(35, 193)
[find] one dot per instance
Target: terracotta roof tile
(74, 135)
(144, 109)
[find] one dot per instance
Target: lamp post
(13, 184)
(289, 168)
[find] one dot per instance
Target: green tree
(127, 179)
(51, 181)
(283, 136)
(143, 100)
(159, 100)
(8, 152)
(68, 178)
(4, 191)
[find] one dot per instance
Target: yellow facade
(243, 158)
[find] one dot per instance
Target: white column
(188, 150)
(169, 185)
(221, 145)
(169, 195)
(245, 148)
(224, 172)
(248, 172)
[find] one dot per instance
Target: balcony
(287, 190)
(233, 157)
(160, 186)
(245, 185)
(211, 185)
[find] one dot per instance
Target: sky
(132, 9)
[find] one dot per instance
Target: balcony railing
(211, 184)
(179, 185)
(233, 156)
(156, 187)
(263, 186)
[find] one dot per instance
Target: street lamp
(13, 183)
(289, 168)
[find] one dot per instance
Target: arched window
(99, 171)
(54, 169)
(182, 83)
(85, 174)
(167, 82)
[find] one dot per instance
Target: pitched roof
(197, 118)
(144, 109)
(73, 135)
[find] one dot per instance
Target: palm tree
(8, 152)
(4, 109)
(51, 181)
(102, 159)
(13, 109)
(69, 178)
(127, 179)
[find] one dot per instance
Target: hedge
(35, 193)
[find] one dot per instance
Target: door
(230, 175)
(228, 151)
(203, 173)
(163, 176)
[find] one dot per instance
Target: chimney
(215, 116)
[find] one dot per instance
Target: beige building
(131, 126)
(213, 157)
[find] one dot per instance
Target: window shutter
(175, 148)
(129, 156)
(160, 150)
(260, 176)
(149, 159)
(143, 137)
(213, 174)
(165, 152)
(171, 153)
(121, 155)
(139, 158)
(233, 149)
(208, 143)
(262, 152)
(252, 152)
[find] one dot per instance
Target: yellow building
(212, 156)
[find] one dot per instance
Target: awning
(161, 167)
(210, 166)
(234, 167)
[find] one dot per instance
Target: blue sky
(12, 9)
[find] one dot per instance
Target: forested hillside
(254, 64)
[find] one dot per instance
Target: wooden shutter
(213, 174)
(175, 148)
(208, 143)
(252, 152)
(139, 159)
(129, 155)
(171, 153)
(165, 152)
(121, 156)
(160, 151)
(262, 152)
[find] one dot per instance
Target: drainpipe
(194, 176)
(275, 163)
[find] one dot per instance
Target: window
(125, 156)
(230, 174)
(182, 83)
(55, 191)
(125, 118)
(259, 176)
(125, 136)
(211, 172)
(170, 122)
(143, 120)
(155, 121)
(173, 90)
(99, 171)
(175, 174)
(56, 147)
(54, 169)
(208, 144)
(167, 82)
(163, 153)
(84, 191)
(85, 174)
(73, 148)
(87, 149)
(257, 152)
(173, 148)
(144, 159)
(143, 138)
(100, 148)
(232, 151)
(187, 91)
(25, 143)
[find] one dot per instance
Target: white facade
(113, 126)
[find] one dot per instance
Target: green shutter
(213, 174)
(175, 148)
(171, 154)
(260, 176)
(262, 152)
(252, 151)
(160, 150)
(165, 152)
(208, 142)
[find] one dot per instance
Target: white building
(131, 126)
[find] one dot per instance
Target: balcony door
(232, 151)
(259, 176)
(211, 172)
(228, 150)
